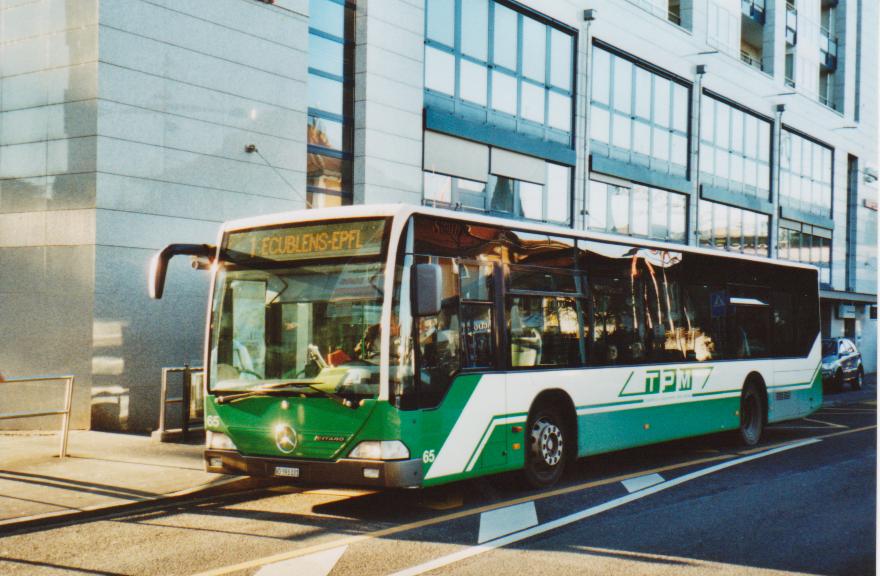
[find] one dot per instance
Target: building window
(330, 100)
(638, 115)
(505, 196)
(734, 149)
(805, 243)
(636, 210)
(514, 71)
(805, 175)
(733, 229)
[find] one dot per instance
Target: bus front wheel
(751, 415)
(547, 448)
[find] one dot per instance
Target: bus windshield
(283, 319)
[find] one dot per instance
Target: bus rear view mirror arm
(427, 279)
(159, 263)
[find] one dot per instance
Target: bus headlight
(218, 441)
(380, 450)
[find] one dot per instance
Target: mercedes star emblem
(285, 438)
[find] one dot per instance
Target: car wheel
(547, 448)
(859, 380)
(751, 415)
(838, 380)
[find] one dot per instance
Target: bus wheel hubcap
(547, 439)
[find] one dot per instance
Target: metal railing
(188, 411)
(64, 413)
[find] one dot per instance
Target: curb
(64, 517)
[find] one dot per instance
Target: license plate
(287, 471)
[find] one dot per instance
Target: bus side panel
(796, 390)
(609, 431)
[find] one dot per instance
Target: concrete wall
(48, 107)
(183, 88)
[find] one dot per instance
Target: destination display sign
(308, 241)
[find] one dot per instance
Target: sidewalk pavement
(103, 470)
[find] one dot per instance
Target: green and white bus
(409, 346)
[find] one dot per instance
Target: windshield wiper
(276, 388)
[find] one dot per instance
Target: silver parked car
(841, 362)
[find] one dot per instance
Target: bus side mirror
(427, 289)
(159, 263)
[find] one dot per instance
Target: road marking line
(592, 511)
(317, 564)
(256, 563)
(504, 521)
(641, 482)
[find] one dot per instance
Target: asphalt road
(803, 501)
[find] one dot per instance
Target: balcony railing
(657, 10)
(789, 82)
(828, 46)
(751, 60)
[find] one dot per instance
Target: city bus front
(294, 356)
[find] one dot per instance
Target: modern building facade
(740, 125)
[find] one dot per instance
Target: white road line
(641, 482)
(578, 516)
(317, 564)
(504, 521)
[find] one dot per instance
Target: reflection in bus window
(438, 338)
(543, 331)
(476, 335)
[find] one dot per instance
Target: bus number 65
(428, 456)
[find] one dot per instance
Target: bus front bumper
(378, 473)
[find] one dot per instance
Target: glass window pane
(503, 92)
(749, 229)
(601, 75)
(327, 172)
(599, 120)
(533, 102)
(681, 112)
(750, 147)
(620, 131)
(735, 229)
(707, 159)
(438, 187)
(619, 212)
(560, 111)
(736, 167)
(737, 119)
(642, 137)
(560, 59)
(722, 162)
(722, 126)
(439, 71)
(531, 200)
(475, 28)
(764, 141)
(659, 211)
(327, 16)
(441, 21)
(677, 217)
(505, 44)
(326, 133)
(705, 222)
(325, 94)
(661, 143)
(679, 150)
(643, 93)
(707, 120)
(639, 211)
(750, 170)
(325, 55)
(598, 205)
(558, 194)
(662, 110)
(719, 225)
(473, 82)
(534, 49)
(622, 85)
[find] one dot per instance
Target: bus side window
(438, 339)
(477, 322)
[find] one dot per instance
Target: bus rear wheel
(751, 415)
(547, 448)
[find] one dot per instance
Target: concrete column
(389, 93)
